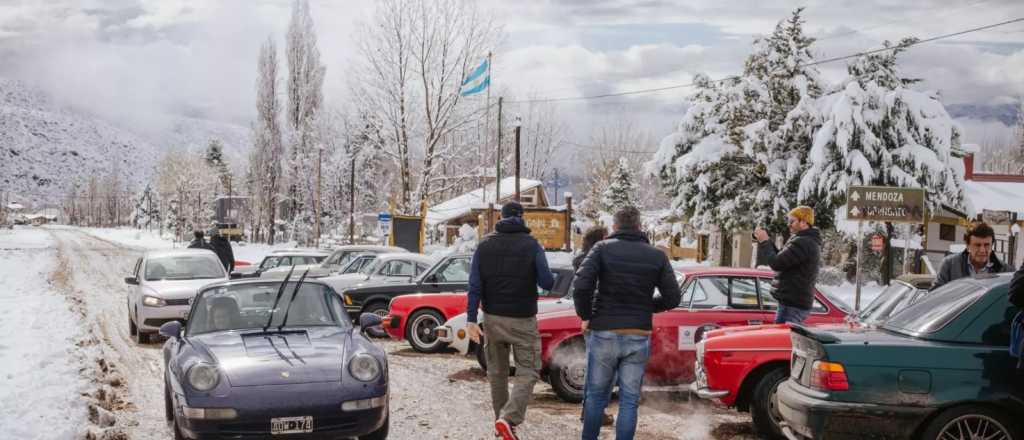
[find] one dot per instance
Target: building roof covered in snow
(466, 203)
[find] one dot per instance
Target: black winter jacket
(796, 267)
(199, 243)
(624, 269)
(1017, 288)
(220, 245)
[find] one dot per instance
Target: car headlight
(152, 301)
(364, 367)
(203, 377)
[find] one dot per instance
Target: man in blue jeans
(624, 270)
(796, 265)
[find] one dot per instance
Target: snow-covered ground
(39, 379)
(144, 239)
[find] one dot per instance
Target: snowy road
(441, 396)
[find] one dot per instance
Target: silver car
(385, 268)
(163, 285)
(337, 260)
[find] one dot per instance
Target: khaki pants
(520, 336)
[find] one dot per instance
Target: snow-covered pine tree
(621, 192)
(875, 130)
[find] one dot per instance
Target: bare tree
(414, 56)
(265, 160)
(542, 134)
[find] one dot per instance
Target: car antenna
(280, 290)
(292, 300)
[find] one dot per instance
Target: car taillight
(829, 376)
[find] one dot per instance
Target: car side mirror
(131, 280)
(369, 320)
(170, 329)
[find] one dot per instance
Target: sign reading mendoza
(885, 204)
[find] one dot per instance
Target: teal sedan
(939, 369)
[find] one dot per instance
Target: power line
(816, 63)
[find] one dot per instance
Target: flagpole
(487, 135)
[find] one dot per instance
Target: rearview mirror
(369, 320)
(170, 329)
(131, 280)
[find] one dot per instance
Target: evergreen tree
(875, 130)
(621, 192)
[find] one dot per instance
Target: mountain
(1005, 113)
(46, 148)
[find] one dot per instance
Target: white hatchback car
(163, 285)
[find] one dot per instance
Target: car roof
(406, 256)
(299, 252)
(368, 247)
(178, 253)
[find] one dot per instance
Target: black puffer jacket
(625, 270)
(796, 267)
(220, 245)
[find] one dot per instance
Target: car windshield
(248, 306)
(357, 264)
(893, 298)
(835, 299)
(184, 267)
(937, 309)
(370, 268)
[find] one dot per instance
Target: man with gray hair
(625, 270)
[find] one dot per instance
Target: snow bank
(131, 237)
(39, 380)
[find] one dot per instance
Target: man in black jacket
(625, 270)
(977, 258)
(506, 269)
(198, 241)
(222, 247)
(796, 265)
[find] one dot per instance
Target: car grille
(179, 302)
(698, 367)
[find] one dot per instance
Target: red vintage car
(713, 297)
(414, 317)
(742, 367)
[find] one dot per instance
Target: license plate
(291, 425)
(797, 368)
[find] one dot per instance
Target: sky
(136, 61)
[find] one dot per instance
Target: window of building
(947, 232)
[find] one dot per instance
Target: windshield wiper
(292, 300)
(277, 300)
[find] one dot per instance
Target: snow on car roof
(406, 255)
(178, 253)
(300, 252)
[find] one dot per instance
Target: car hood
(255, 358)
(178, 289)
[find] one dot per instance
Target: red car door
(709, 302)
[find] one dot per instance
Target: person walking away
(593, 235)
(198, 241)
(614, 296)
(222, 247)
(505, 271)
(796, 265)
(976, 259)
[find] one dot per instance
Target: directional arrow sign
(886, 204)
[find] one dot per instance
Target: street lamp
(518, 124)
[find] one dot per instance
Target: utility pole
(352, 202)
(497, 168)
(519, 125)
(316, 203)
(556, 186)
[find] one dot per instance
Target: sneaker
(505, 430)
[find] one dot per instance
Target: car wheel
(132, 328)
(420, 331)
(378, 308)
(764, 406)
(481, 357)
(140, 336)
(168, 406)
(380, 434)
(568, 371)
(971, 422)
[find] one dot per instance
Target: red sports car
(713, 298)
(742, 367)
(414, 317)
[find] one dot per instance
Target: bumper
(808, 415)
(707, 393)
(454, 338)
(393, 326)
(256, 406)
(151, 318)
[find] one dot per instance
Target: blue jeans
(610, 354)
(791, 314)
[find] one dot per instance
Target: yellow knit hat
(804, 213)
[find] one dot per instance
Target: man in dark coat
(796, 265)
(506, 269)
(198, 241)
(977, 258)
(222, 247)
(614, 296)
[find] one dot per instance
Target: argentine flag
(478, 80)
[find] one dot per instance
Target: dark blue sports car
(273, 359)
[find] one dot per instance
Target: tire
(763, 404)
(419, 331)
(132, 328)
(951, 424)
(481, 358)
(381, 433)
(140, 336)
(567, 371)
(379, 308)
(168, 405)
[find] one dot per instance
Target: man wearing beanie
(796, 265)
(507, 267)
